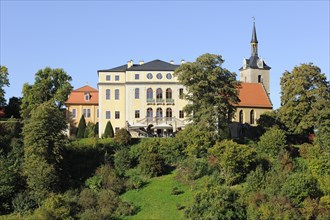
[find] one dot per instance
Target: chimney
(172, 62)
(141, 62)
(182, 61)
(129, 63)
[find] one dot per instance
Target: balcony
(150, 101)
(160, 101)
(170, 101)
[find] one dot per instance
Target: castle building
(147, 96)
(137, 96)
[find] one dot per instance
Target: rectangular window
(107, 114)
(117, 94)
(137, 113)
(181, 93)
(137, 76)
(137, 93)
(87, 112)
(107, 77)
(74, 113)
(98, 113)
(117, 129)
(116, 77)
(259, 79)
(117, 114)
(181, 114)
(107, 94)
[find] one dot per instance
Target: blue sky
(84, 36)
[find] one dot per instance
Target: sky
(85, 36)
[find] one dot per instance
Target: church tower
(255, 69)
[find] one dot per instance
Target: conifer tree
(108, 132)
(81, 127)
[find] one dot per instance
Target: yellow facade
(148, 97)
(249, 115)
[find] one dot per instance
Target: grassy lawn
(156, 201)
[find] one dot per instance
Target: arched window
(159, 113)
(107, 94)
(251, 117)
(169, 113)
(168, 93)
(116, 94)
(150, 113)
(149, 94)
(241, 116)
(159, 93)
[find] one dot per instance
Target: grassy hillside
(156, 200)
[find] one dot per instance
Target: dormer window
(87, 96)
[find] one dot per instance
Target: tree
(305, 91)
(122, 136)
(81, 127)
(3, 82)
(271, 143)
(13, 107)
(212, 91)
(43, 141)
(233, 160)
(50, 85)
(108, 132)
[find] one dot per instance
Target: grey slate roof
(155, 65)
(252, 63)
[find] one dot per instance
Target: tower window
(259, 79)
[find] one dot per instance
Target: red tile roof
(253, 95)
(78, 96)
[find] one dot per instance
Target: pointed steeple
(254, 42)
(254, 34)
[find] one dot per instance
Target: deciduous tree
(50, 85)
(305, 91)
(212, 91)
(43, 140)
(3, 82)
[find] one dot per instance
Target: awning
(162, 126)
(138, 125)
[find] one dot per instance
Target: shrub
(135, 180)
(271, 143)
(108, 132)
(89, 131)
(151, 164)
(123, 137)
(81, 127)
(87, 199)
(122, 161)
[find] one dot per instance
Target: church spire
(254, 41)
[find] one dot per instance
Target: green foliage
(271, 143)
(50, 85)
(54, 207)
(196, 139)
(122, 161)
(322, 126)
(304, 91)
(87, 198)
(96, 130)
(269, 119)
(193, 168)
(108, 132)
(43, 141)
(23, 203)
(89, 130)
(151, 164)
(123, 137)
(233, 160)
(81, 127)
(216, 202)
(299, 186)
(211, 91)
(13, 108)
(3, 82)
